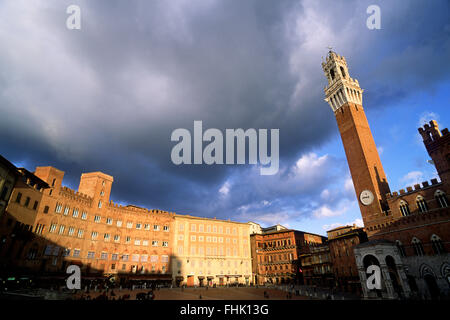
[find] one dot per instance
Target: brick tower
(344, 95)
(438, 147)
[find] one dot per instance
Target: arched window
(332, 74)
(342, 72)
(438, 246)
(404, 208)
(418, 248)
(421, 204)
(441, 199)
(400, 248)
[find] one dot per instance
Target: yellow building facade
(209, 252)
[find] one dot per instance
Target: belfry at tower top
(341, 87)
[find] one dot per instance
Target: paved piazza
(210, 294)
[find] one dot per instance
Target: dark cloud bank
(107, 97)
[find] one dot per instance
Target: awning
(201, 277)
(210, 277)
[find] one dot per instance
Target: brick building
(276, 254)
(316, 266)
(84, 228)
(408, 231)
(341, 242)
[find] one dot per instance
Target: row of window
(436, 244)
(209, 229)
(106, 236)
(286, 267)
(51, 250)
(422, 205)
(210, 239)
(27, 201)
(276, 257)
(212, 251)
(274, 244)
(109, 221)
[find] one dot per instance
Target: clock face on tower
(366, 197)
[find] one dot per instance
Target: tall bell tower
(344, 96)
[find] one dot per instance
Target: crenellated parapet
(412, 190)
(75, 196)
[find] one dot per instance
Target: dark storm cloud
(107, 97)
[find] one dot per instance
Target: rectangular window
(192, 238)
(146, 226)
(58, 208)
(116, 238)
(200, 238)
(129, 225)
(106, 237)
(164, 258)
(104, 256)
(125, 257)
(193, 227)
(48, 250)
(119, 223)
(166, 228)
(91, 255)
(109, 221)
(165, 244)
(97, 219)
(114, 256)
(66, 211)
(128, 239)
(154, 258)
(200, 228)
(94, 235)
(80, 233)
(84, 215)
(137, 242)
(156, 227)
(181, 227)
(76, 253)
(35, 205)
(154, 243)
(135, 258)
(52, 227)
(61, 229)
(145, 242)
(138, 226)
(19, 196)
(27, 201)
(144, 258)
(75, 213)
(71, 231)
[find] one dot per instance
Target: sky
(108, 96)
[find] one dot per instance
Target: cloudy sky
(107, 97)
